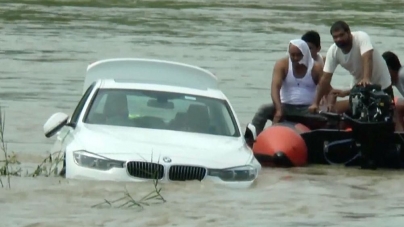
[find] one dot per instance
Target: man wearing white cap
(293, 88)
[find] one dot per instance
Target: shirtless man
(355, 52)
(312, 38)
(293, 88)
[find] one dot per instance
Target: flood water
(46, 45)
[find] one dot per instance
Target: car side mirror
(54, 124)
(250, 133)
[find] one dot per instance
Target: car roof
(151, 71)
(128, 84)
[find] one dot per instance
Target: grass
(49, 166)
(127, 201)
(9, 166)
(5, 171)
(9, 160)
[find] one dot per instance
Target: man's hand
(364, 82)
(277, 117)
(313, 108)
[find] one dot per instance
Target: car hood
(129, 143)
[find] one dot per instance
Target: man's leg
(341, 106)
(301, 114)
(389, 91)
(398, 110)
(399, 114)
(264, 113)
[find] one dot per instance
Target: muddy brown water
(46, 45)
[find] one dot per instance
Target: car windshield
(162, 110)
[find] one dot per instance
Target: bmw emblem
(167, 159)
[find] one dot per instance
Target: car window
(162, 110)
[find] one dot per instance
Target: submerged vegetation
(4, 170)
(127, 201)
(10, 167)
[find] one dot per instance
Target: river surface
(46, 45)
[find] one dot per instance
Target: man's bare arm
(366, 49)
(367, 59)
(317, 71)
(277, 80)
(323, 87)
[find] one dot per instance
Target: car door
(67, 132)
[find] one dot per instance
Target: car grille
(183, 173)
(145, 170)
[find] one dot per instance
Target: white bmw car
(144, 119)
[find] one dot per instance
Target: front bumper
(140, 171)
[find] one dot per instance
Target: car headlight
(242, 173)
(93, 161)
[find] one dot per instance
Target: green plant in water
(6, 168)
(127, 201)
(49, 166)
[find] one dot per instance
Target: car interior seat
(198, 119)
(179, 122)
(116, 107)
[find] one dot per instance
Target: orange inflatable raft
(282, 145)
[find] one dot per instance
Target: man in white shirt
(397, 79)
(355, 52)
